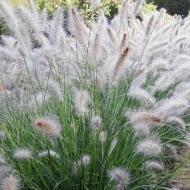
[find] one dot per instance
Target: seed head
(153, 165)
(76, 166)
(22, 154)
(120, 176)
(149, 147)
(53, 154)
(141, 130)
(81, 101)
(10, 183)
(96, 122)
(85, 160)
(48, 126)
(102, 136)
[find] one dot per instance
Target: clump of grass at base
(61, 166)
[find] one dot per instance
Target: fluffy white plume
(10, 183)
(96, 122)
(49, 126)
(153, 165)
(120, 176)
(81, 100)
(50, 153)
(149, 147)
(85, 160)
(22, 154)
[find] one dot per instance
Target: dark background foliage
(180, 7)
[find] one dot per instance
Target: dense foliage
(181, 7)
(110, 7)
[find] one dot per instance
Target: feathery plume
(77, 27)
(102, 136)
(137, 7)
(178, 121)
(22, 154)
(111, 35)
(172, 107)
(148, 117)
(48, 126)
(150, 26)
(33, 7)
(124, 42)
(10, 183)
(149, 147)
(54, 90)
(4, 171)
(142, 96)
(38, 100)
(85, 160)
(81, 100)
(112, 145)
(173, 151)
(96, 122)
(120, 176)
(96, 45)
(153, 165)
(57, 26)
(6, 11)
(120, 65)
(141, 130)
(76, 167)
(50, 153)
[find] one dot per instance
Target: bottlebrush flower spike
(137, 7)
(146, 117)
(76, 167)
(173, 151)
(102, 136)
(178, 121)
(54, 90)
(81, 100)
(141, 130)
(153, 165)
(37, 100)
(143, 96)
(22, 154)
(48, 126)
(50, 153)
(172, 107)
(77, 26)
(96, 122)
(10, 183)
(120, 176)
(120, 65)
(149, 147)
(85, 160)
(112, 145)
